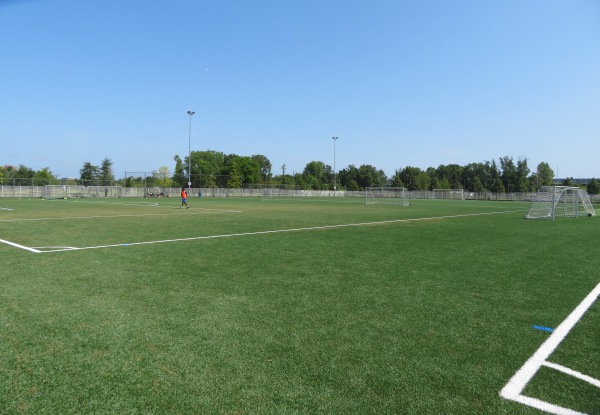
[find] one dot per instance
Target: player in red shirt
(184, 198)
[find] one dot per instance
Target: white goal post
(386, 196)
(567, 201)
(453, 194)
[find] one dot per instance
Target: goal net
(387, 196)
(454, 194)
(52, 191)
(55, 191)
(567, 201)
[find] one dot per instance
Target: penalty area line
(196, 238)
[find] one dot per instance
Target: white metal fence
(99, 192)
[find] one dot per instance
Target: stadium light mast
(190, 113)
(334, 174)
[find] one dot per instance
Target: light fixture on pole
(190, 113)
(334, 174)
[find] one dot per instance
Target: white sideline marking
(1, 208)
(20, 246)
(194, 238)
(519, 381)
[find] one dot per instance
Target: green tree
(162, 177)
(543, 176)
(265, 167)
(348, 178)
(235, 178)
(246, 169)
(369, 176)
(43, 177)
(509, 173)
(179, 176)
(522, 183)
(210, 182)
(89, 172)
(353, 178)
(443, 183)
(423, 181)
(208, 168)
(496, 185)
(477, 186)
(298, 179)
(23, 172)
(250, 170)
(285, 179)
(409, 176)
(106, 173)
(449, 176)
(352, 185)
(593, 187)
(434, 182)
(397, 180)
(314, 175)
(475, 176)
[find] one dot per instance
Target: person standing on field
(183, 198)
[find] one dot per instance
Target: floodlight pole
(190, 113)
(334, 174)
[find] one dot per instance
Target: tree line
(213, 169)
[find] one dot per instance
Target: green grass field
(290, 306)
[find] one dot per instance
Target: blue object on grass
(542, 328)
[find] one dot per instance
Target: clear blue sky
(401, 83)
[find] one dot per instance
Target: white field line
(514, 388)
(573, 373)
(20, 246)
(195, 238)
(186, 212)
(147, 204)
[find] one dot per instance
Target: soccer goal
(387, 196)
(55, 191)
(567, 201)
(453, 194)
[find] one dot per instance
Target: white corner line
(521, 378)
(545, 406)
(573, 373)
(20, 246)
